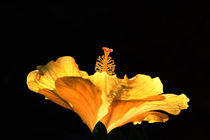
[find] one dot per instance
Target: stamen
(105, 62)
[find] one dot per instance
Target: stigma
(105, 62)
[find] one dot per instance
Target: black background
(168, 39)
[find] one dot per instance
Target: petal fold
(141, 86)
(84, 97)
(53, 96)
(44, 77)
(136, 111)
(109, 84)
(156, 117)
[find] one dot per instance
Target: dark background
(168, 39)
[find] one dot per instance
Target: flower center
(105, 62)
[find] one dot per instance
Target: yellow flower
(102, 96)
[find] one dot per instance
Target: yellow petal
(139, 87)
(110, 87)
(84, 96)
(142, 86)
(122, 112)
(156, 117)
(52, 95)
(105, 82)
(117, 111)
(45, 76)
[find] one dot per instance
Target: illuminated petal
(117, 110)
(122, 112)
(156, 117)
(45, 76)
(84, 97)
(53, 96)
(105, 82)
(141, 86)
(109, 86)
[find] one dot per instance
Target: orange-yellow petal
(154, 116)
(53, 96)
(122, 112)
(84, 97)
(45, 76)
(105, 82)
(110, 87)
(141, 86)
(117, 110)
